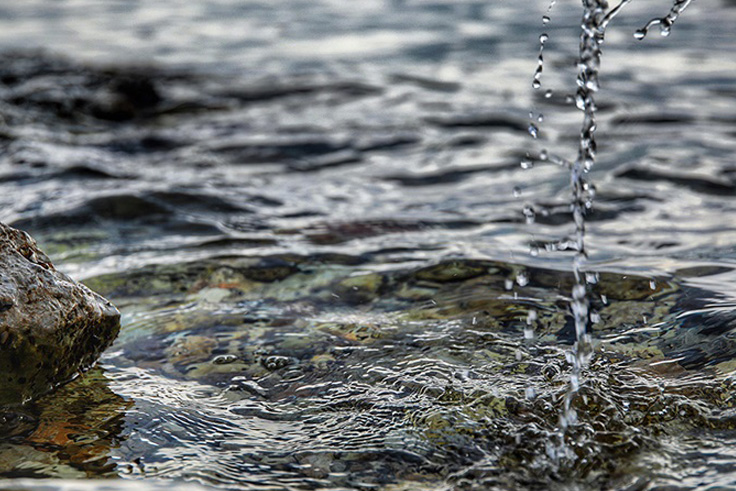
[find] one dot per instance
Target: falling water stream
(596, 17)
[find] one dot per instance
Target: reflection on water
(313, 217)
(70, 433)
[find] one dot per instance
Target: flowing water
(343, 263)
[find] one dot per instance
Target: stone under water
(51, 327)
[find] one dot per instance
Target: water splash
(546, 18)
(543, 38)
(533, 130)
(537, 79)
(596, 18)
(665, 23)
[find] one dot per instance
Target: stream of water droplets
(596, 17)
(665, 23)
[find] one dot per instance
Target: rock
(51, 327)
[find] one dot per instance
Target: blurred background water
(225, 170)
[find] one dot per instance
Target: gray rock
(51, 327)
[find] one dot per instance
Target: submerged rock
(51, 327)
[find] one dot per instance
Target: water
(665, 23)
(596, 17)
(307, 213)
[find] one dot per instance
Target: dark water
(312, 216)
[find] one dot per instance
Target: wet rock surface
(51, 327)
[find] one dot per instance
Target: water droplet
(522, 279)
(548, 94)
(580, 101)
(543, 38)
(578, 292)
(604, 299)
(543, 155)
(533, 130)
(536, 83)
(529, 214)
(508, 283)
(545, 19)
(653, 285)
(531, 317)
(516, 191)
(640, 34)
(526, 164)
(591, 278)
(528, 333)
(540, 118)
(574, 382)
(533, 251)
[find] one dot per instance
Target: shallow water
(306, 213)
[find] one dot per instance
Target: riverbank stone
(51, 327)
